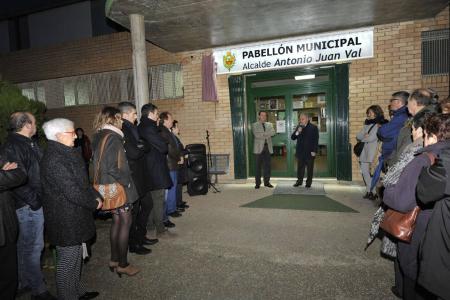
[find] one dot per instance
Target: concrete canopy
(183, 25)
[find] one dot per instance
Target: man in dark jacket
(389, 132)
(156, 162)
(307, 136)
(135, 152)
(173, 162)
(10, 177)
(20, 148)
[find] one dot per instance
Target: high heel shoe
(128, 270)
(113, 265)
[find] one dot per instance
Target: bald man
(307, 136)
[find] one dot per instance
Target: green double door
(284, 104)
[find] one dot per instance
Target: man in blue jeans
(19, 147)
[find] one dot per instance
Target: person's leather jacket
(26, 153)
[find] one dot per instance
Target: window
(435, 52)
(165, 82)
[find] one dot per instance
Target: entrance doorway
(284, 99)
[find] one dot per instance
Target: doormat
(300, 202)
(287, 188)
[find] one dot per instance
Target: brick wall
(396, 66)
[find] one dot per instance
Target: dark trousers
(398, 277)
(179, 194)
(141, 213)
(263, 160)
(8, 274)
(301, 165)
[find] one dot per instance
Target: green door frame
(338, 77)
(289, 91)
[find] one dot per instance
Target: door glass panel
(315, 106)
(275, 106)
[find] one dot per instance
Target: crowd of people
(412, 172)
(137, 176)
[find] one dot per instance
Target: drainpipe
(140, 74)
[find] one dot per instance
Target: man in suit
(262, 148)
(135, 152)
(307, 136)
(158, 179)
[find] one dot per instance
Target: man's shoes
(44, 296)
(298, 183)
(308, 186)
(183, 205)
(169, 224)
(175, 214)
(149, 242)
(180, 209)
(268, 185)
(394, 291)
(89, 295)
(257, 186)
(140, 250)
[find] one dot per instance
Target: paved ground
(219, 250)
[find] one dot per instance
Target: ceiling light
(304, 77)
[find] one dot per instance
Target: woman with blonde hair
(111, 167)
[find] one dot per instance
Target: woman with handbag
(401, 197)
(434, 187)
(112, 178)
(367, 145)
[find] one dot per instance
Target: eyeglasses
(70, 132)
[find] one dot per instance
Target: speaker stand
(209, 158)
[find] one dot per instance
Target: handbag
(113, 194)
(400, 225)
(359, 146)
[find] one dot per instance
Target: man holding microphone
(307, 136)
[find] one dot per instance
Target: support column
(140, 74)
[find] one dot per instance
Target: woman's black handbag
(358, 148)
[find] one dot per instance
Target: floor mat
(287, 188)
(300, 202)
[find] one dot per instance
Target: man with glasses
(388, 133)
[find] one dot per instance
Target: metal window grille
(435, 52)
(165, 82)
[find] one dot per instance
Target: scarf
(407, 156)
(113, 128)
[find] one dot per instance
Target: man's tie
(264, 126)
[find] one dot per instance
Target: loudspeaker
(197, 170)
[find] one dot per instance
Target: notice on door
(324, 48)
(281, 126)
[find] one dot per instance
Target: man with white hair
(307, 136)
(20, 148)
(68, 201)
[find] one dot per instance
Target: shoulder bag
(402, 225)
(113, 194)
(359, 146)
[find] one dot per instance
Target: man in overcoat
(307, 136)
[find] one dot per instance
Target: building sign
(310, 50)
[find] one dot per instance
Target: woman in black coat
(434, 187)
(402, 197)
(10, 177)
(111, 166)
(68, 203)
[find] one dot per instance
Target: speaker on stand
(197, 170)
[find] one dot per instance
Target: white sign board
(310, 50)
(281, 126)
